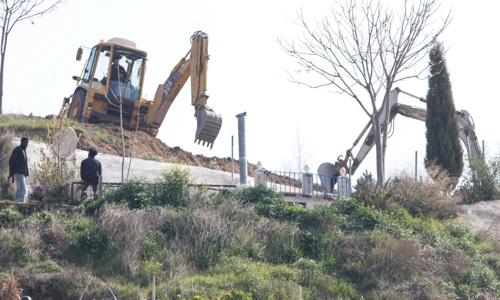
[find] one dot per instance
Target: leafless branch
(365, 47)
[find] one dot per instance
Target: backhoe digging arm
(193, 65)
(465, 125)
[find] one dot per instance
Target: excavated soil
(141, 145)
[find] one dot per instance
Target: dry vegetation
(396, 241)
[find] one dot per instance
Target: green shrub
(493, 261)
(259, 194)
(43, 267)
(236, 295)
(321, 217)
(9, 215)
(41, 218)
(87, 241)
(271, 204)
(281, 241)
(371, 194)
(135, 193)
(173, 187)
(260, 280)
(12, 248)
(481, 182)
(281, 210)
(153, 243)
(478, 280)
(319, 285)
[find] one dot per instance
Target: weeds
(482, 181)
(428, 198)
(21, 122)
(126, 230)
(9, 290)
(395, 240)
(5, 151)
(52, 175)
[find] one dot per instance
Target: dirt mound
(481, 217)
(143, 145)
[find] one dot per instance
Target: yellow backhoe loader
(111, 86)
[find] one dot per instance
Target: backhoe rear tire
(77, 106)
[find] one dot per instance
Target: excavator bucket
(208, 126)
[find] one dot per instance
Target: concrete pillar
(343, 184)
(307, 182)
(260, 175)
(242, 148)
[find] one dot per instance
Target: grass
(209, 245)
(20, 123)
(396, 241)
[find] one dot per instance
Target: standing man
(18, 169)
(90, 170)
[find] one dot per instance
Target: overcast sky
(248, 73)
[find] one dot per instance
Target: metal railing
(287, 183)
(304, 184)
(105, 186)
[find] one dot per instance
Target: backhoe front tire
(77, 106)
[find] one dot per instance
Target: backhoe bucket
(208, 126)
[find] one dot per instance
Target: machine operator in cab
(118, 74)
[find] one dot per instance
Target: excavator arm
(193, 65)
(465, 124)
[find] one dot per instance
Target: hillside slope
(480, 217)
(139, 145)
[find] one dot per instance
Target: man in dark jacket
(90, 171)
(18, 169)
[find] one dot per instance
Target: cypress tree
(443, 141)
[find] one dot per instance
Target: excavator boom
(193, 65)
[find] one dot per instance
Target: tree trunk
(378, 149)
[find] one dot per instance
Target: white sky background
(248, 73)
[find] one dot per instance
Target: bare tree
(14, 11)
(301, 155)
(364, 48)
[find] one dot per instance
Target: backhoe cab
(111, 84)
